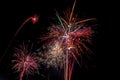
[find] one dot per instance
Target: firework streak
(66, 42)
(33, 19)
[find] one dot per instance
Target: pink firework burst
(25, 62)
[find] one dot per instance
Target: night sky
(13, 13)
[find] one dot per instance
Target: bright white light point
(66, 36)
(69, 48)
(34, 19)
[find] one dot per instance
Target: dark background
(13, 13)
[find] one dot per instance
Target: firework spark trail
(71, 14)
(25, 61)
(66, 66)
(70, 68)
(33, 19)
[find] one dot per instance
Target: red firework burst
(25, 62)
(72, 34)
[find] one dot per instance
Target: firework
(68, 40)
(54, 56)
(33, 19)
(25, 62)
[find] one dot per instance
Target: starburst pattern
(25, 62)
(71, 34)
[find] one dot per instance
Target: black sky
(13, 13)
